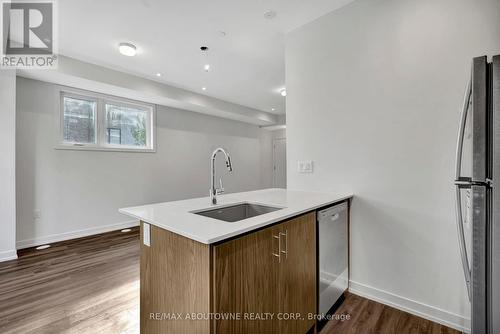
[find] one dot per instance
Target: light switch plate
(146, 232)
(305, 166)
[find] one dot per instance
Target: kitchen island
(258, 274)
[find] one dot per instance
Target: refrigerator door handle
(460, 183)
(461, 131)
(461, 240)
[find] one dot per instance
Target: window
(98, 122)
(126, 125)
(79, 120)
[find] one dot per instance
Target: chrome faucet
(216, 191)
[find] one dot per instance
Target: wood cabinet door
(298, 274)
(246, 283)
(175, 279)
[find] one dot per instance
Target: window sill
(104, 149)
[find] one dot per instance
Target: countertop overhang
(178, 218)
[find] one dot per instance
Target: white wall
(79, 192)
(7, 165)
(374, 95)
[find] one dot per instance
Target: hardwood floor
(91, 285)
(369, 317)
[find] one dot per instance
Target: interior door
(246, 280)
(298, 274)
(279, 163)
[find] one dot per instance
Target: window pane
(126, 125)
(114, 136)
(79, 121)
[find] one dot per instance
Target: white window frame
(61, 119)
(100, 135)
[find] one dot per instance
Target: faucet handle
(221, 189)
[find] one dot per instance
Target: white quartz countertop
(177, 216)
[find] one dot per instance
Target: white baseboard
(42, 240)
(8, 255)
(425, 311)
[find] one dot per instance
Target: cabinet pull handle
(279, 247)
(286, 243)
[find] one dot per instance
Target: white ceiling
(247, 65)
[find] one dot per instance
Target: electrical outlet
(305, 166)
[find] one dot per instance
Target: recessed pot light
(203, 88)
(158, 74)
(127, 49)
(270, 14)
(283, 92)
(273, 109)
(206, 67)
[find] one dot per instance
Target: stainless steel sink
(237, 212)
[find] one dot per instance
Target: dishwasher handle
(332, 213)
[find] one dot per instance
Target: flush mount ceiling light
(283, 92)
(127, 49)
(270, 14)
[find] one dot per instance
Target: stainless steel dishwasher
(333, 255)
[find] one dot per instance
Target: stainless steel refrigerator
(478, 194)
